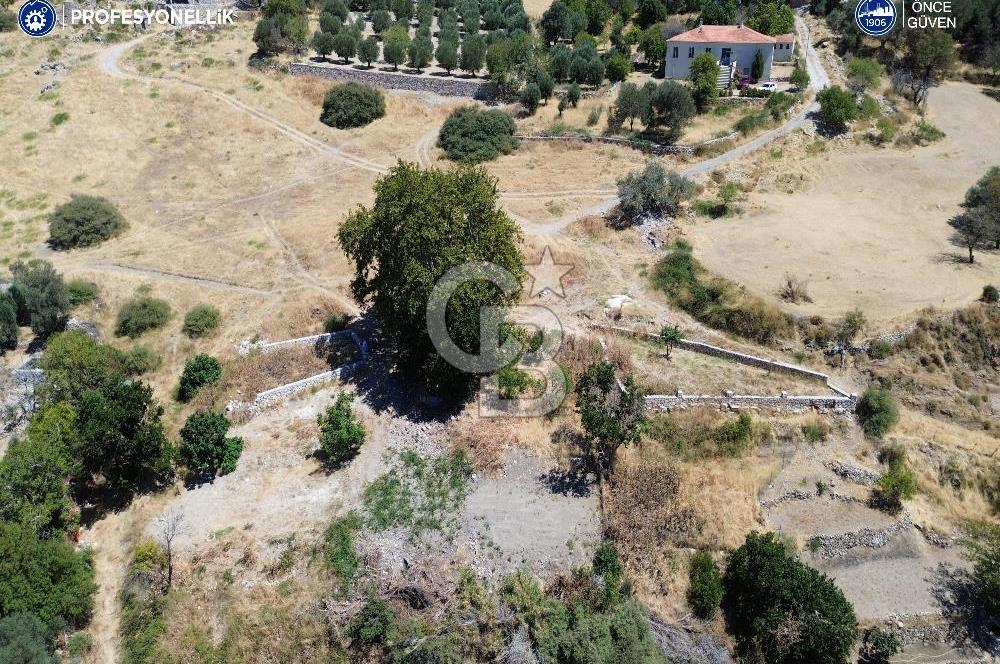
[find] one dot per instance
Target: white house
(784, 47)
(734, 47)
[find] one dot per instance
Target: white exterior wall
(783, 52)
(743, 54)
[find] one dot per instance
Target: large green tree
(671, 107)
(611, 414)
(84, 221)
(422, 224)
(772, 18)
(782, 611)
(928, 58)
(40, 294)
(8, 321)
(704, 76)
(206, 449)
(983, 199)
(47, 578)
(34, 471)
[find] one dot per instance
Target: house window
(676, 49)
(708, 50)
(691, 52)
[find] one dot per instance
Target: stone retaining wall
(284, 391)
(312, 340)
(783, 402)
(447, 86)
(724, 353)
(835, 546)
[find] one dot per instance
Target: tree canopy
(423, 223)
(472, 135)
(782, 611)
(84, 221)
(40, 294)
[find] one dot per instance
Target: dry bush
(643, 513)
(485, 442)
(577, 353)
(590, 226)
(793, 290)
(312, 89)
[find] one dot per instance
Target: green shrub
(735, 437)
(139, 360)
(205, 447)
(9, 330)
(84, 221)
(885, 131)
(982, 549)
(779, 104)
(80, 291)
(653, 189)
(48, 578)
(925, 132)
(24, 639)
(341, 434)
(715, 301)
(868, 107)
(40, 294)
(895, 485)
(336, 322)
(878, 646)
(472, 135)
(141, 314)
(816, 430)
(339, 552)
(880, 350)
(8, 20)
(201, 320)
(990, 294)
(530, 97)
(374, 624)
(79, 644)
(877, 411)
(836, 107)
(199, 371)
(751, 122)
(352, 105)
(766, 590)
(705, 593)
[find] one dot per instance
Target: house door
(726, 54)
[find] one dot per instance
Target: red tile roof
(723, 34)
(785, 39)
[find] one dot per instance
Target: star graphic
(547, 275)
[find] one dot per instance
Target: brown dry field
(871, 230)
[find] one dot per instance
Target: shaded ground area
(874, 224)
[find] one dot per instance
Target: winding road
(110, 65)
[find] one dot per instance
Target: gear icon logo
(36, 18)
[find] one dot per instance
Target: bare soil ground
(873, 223)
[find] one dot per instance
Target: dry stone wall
(447, 86)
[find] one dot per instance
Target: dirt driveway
(872, 232)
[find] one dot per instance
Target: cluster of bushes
(352, 105)
(877, 411)
(83, 222)
(282, 27)
(652, 189)
(472, 135)
(716, 301)
(141, 314)
(37, 296)
(97, 436)
(663, 108)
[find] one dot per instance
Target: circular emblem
(36, 18)
(875, 17)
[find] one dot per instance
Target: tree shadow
(575, 481)
(954, 590)
(992, 93)
(383, 385)
(328, 464)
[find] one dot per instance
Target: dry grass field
(873, 223)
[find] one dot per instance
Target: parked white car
(770, 86)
